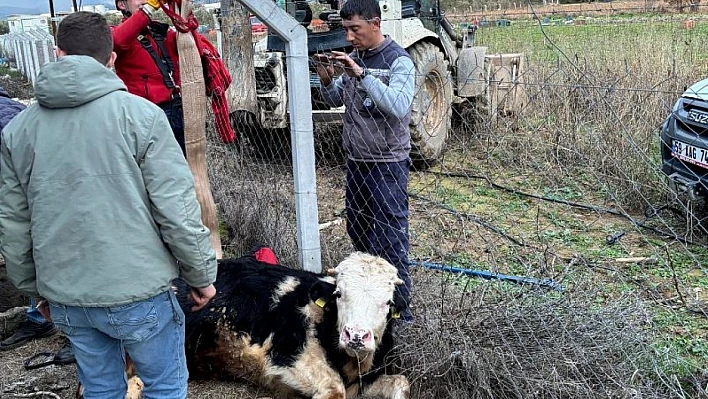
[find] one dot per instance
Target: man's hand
(43, 309)
(201, 296)
(350, 66)
(325, 69)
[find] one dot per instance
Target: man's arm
(332, 94)
(15, 237)
(170, 186)
(125, 34)
(396, 98)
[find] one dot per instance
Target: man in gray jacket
(98, 214)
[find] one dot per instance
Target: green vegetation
(598, 43)
(13, 74)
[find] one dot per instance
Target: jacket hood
(74, 80)
(698, 90)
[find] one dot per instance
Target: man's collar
(386, 41)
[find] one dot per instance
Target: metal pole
(51, 18)
(76, 8)
(300, 107)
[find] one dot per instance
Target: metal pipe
(487, 275)
(450, 30)
(300, 108)
(51, 18)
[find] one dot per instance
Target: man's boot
(28, 331)
(65, 354)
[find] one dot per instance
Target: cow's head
(366, 301)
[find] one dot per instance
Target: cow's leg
(135, 384)
(135, 388)
(310, 375)
(389, 387)
(323, 383)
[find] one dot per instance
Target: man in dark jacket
(376, 90)
(8, 108)
(34, 326)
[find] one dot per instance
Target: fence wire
(552, 257)
(551, 180)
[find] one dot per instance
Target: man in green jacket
(98, 214)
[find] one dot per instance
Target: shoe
(27, 332)
(65, 355)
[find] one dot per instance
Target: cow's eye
(337, 293)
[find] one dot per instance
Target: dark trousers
(175, 115)
(377, 213)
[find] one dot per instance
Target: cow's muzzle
(356, 339)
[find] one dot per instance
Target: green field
(649, 43)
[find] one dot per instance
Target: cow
(298, 333)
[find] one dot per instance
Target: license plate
(690, 153)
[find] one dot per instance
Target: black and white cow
(298, 333)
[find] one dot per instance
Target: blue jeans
(150, 331)
(377, 213)
(175, 115)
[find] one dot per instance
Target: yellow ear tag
(396, 315)
(321, 302)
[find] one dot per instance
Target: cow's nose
(356, 338)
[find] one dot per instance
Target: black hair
(86, 33)
(125, 13)
(365, 9)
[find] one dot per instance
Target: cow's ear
(399, 302)
(322, 292)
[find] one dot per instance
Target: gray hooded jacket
(97, 202)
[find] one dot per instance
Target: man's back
(85, 157)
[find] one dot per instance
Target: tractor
(449, 69)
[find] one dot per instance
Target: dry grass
(520, 9)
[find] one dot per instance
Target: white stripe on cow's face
(365, 289)
(286, 286)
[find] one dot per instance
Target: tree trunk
(194, 104)
(237, 53)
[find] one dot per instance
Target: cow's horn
(398, 281)
(331, 272)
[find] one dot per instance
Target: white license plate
(690, 153)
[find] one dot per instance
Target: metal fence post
(34, 43)
(300, 108)
(27, 57)
(29, 51)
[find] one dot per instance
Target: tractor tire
(432, 103)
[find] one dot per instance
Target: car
(257, 26)
(684, 143)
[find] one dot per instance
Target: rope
(36, 394)
(182, 25)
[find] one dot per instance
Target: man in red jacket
(148, 62)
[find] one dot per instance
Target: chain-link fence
(554, 176)
(27, 51)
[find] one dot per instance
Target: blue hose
(543, 283)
